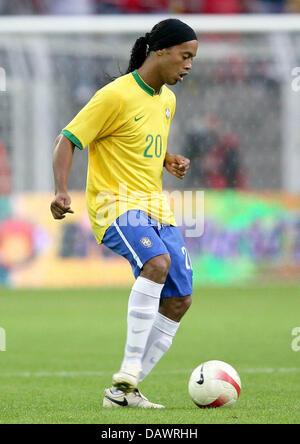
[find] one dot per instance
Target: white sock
(142, 308)
(159, 341)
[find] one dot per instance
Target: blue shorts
(138, 238)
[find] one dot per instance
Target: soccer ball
(214, 384)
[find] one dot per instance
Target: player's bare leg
(157, 268)
(176, 307)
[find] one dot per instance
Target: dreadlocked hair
(141, 49)
(138, 55)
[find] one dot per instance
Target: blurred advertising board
(242, 236)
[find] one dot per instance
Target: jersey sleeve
(97, 119)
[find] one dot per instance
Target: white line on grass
(71, 374)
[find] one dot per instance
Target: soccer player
(126, 126)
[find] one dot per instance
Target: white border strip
(137, 259)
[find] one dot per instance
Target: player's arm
(98, 118)
(62, 162)
(176, 165)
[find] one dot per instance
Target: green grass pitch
(62, 347)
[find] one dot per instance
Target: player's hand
(177, 165)
(61, 205)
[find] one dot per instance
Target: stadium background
(237, 120)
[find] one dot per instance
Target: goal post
(127, 24)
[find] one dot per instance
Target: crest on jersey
(146, 242)
(168, 113)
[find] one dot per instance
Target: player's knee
(175, 307)
(157, 267)
(187, 302)
(160, 264)
(181, 305)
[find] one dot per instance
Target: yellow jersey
(126, 126)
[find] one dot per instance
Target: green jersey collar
(144, 85)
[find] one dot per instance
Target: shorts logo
(168, 113)
(146, 242)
